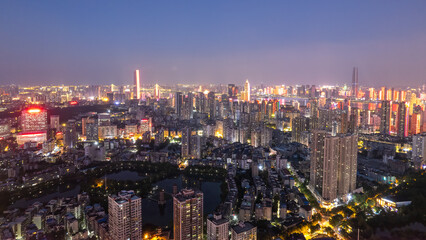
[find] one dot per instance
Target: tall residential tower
(333, 164)
(188, 215)
(125, 216)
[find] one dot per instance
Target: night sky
(271, 42)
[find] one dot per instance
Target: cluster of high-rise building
(337, 133)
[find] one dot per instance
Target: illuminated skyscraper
(125, 216)
(188, 215)
(157, 91)
(137, 85)
(247, 91)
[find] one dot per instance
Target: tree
(336, 220)
(315, 228)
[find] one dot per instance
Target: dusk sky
(271, 42)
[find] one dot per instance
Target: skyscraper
(402, 120)
(188, 215)
(247, 91)
(385, 117)
(137, 85)
(125, 216)
(211, 103)
(178, 104)
(355, 83)
(157, 91)
(333, 164)
(186, 142)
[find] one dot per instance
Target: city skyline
(276, 43)
(216, 120)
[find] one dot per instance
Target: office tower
(244, 231)
(145, 125)
(211, 104)
(186, 143)
(247, 92)
(33, 125)
(217, 228)
(34, 120)
(54, 122)
(419, 148)
(333, 164)
(157, 91)
(385, 117)
(402, 120)
(355, 83)
(125, 216)
(137, 94)
(178, 104)
(188, 215)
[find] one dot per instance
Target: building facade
(188, 215)
(125, 216)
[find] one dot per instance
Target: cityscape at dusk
(212, 120)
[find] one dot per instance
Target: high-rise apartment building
(178, 104)
(385, 117)
(125, 216)
(188, 215)
(333, 164)
(186, 142)
(244, 231)
(402, 120)
(217, 228)
(211, 104)
(137, 94)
